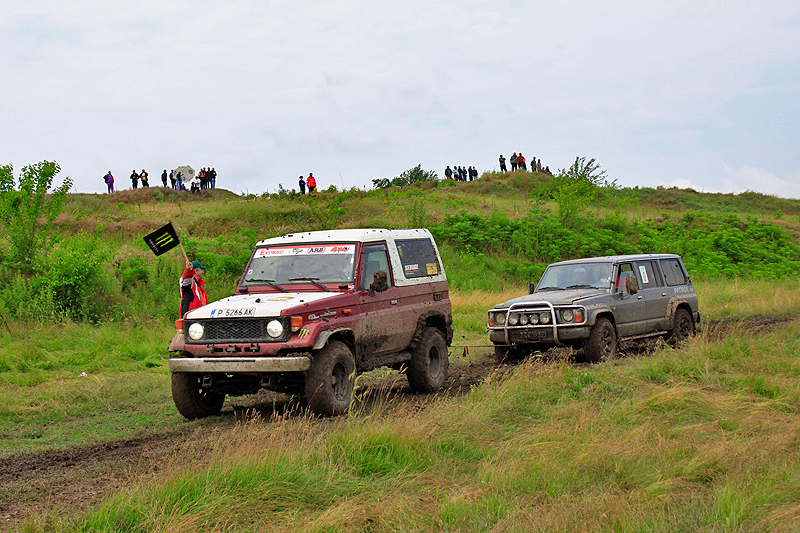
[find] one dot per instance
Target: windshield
(577, 276)
(303, 264)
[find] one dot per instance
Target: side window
(624, 267)
(646, 275)
(673, 272)
(375, 259)
(418, 258)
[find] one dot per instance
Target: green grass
(681, 440)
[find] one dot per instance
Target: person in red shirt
(312, 183)
(193, 294)
(521, 161)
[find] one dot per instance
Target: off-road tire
(427, 369)
(191, 399)
(683, 327)
(331, 379)
(602, 342)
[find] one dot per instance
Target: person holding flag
(193, 294)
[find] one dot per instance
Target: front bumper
(232, 365)
(542, 335)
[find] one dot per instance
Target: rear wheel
(683, 327)
(331, 379)
(427, 369)
(602, 342)
(191, 399)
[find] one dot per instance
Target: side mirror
(531, 287)
(633, 285)
(380, 282)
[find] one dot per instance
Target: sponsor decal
(280, 298)
(301, 250)
(433, 269)
(681, 289)
(411, 268)
(303, 333)
(312, 316)
(643, 272)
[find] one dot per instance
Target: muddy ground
(68, 481)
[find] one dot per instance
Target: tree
(28, 209)
(408, 177)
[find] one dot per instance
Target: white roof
(348, 235)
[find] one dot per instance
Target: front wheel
(683, 327)
(331, 379)
(427, 369)
(602, 342)
(191, 399)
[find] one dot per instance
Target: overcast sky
(702, 94)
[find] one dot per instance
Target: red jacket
(193, 295)
(311, 182)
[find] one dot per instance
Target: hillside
(702, 437)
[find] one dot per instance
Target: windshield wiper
(550, 289)
(582, 286)
(312, 280)
(270, 282)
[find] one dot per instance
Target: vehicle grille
(235, 330)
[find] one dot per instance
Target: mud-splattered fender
(322, 340)
(595, 310)
(672, 308)
(422, 323)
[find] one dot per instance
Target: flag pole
(181, 245)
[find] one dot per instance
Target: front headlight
(275, 328)
(513, 319)
(534, 319)
(196, 331)
(523, 320)
(500, 319)
(544, 318)
(567, 315)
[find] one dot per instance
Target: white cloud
(748, 178)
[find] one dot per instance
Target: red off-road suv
(312, 310)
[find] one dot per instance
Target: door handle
(640, 296)
(393, 302)
(663, 294)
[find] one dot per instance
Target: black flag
(163, 239)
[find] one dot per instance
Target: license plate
(244, 311)
(533, 333)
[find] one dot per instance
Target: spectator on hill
(514, 161)
(538, 165)
(302, 184)
(213, 178)
(502, 163)
(521, 162)
(178, 182)
(448, 172)
(311, 181)
(164, 177)
(135, 179)
(172, 180)
(143, 176)
(109, 179)
(193, 294)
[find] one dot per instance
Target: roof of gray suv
(617, 258)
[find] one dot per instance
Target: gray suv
(596, 302)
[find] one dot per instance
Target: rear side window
(646, 274)
(418, 258)
(673, 272)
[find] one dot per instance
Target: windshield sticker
(411, 268)
(433, 269)
(643, 272)
(305, 250)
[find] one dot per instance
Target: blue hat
(196, 265)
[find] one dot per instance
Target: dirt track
(74, 479)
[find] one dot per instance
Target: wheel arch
(345, 335)
(433, 319)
